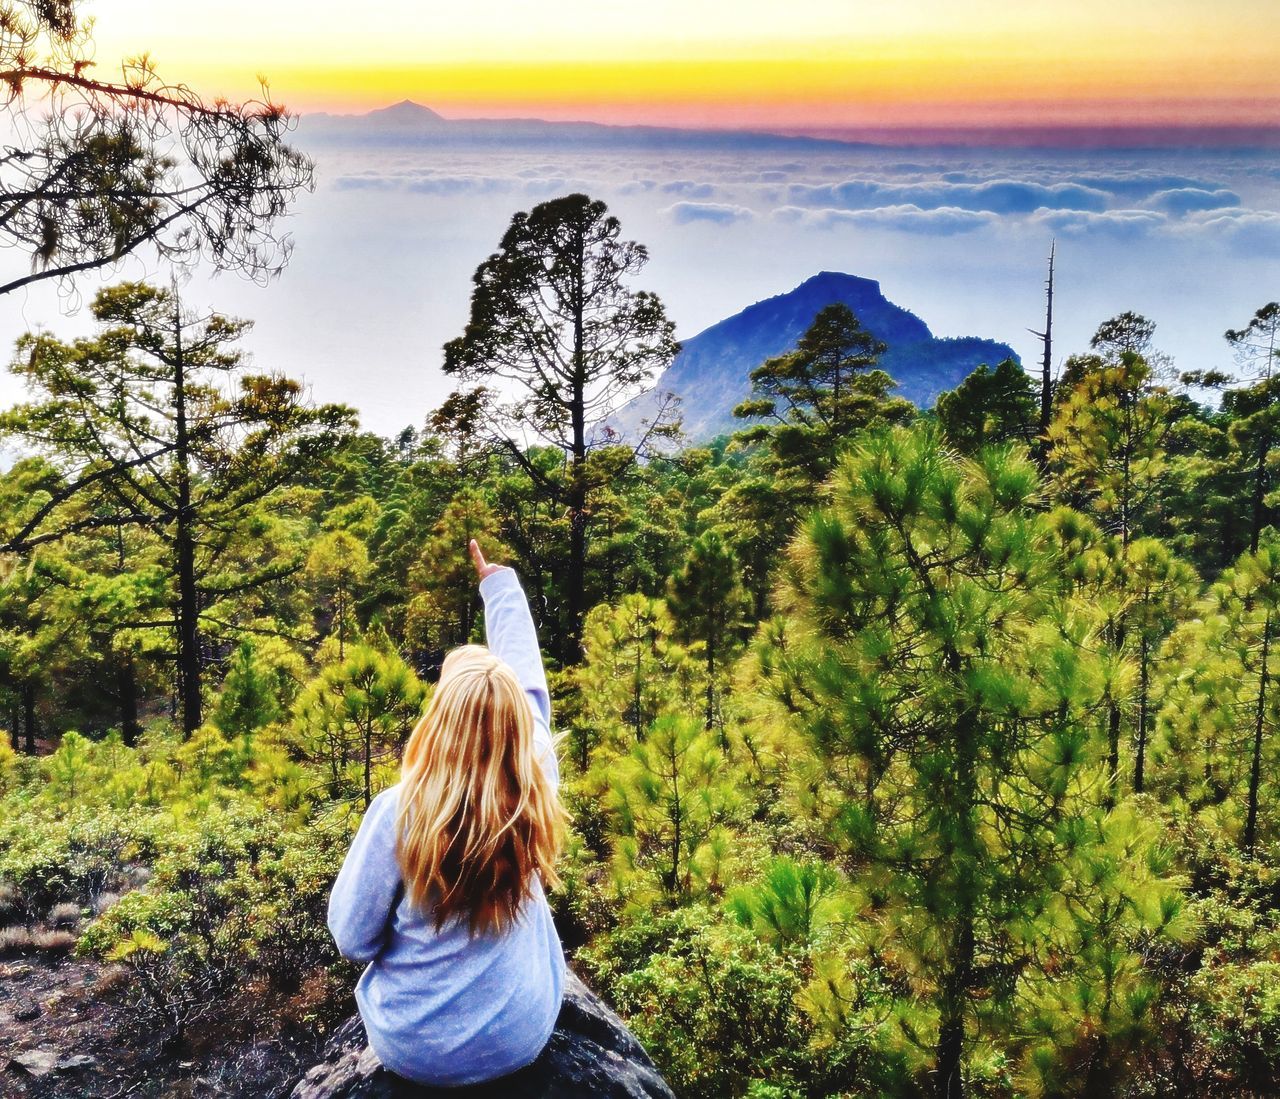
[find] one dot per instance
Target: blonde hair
(478, 818)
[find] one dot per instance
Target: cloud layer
(942, 193)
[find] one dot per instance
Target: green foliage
(988, 807)
(791, 904)
(337, 568)
(633, 670)
(669, 798)
(442, 610)
(355, 714)
(248, 700)
(1217, 752)
(940, 667)
(821, 394)
(710, 1003)
(989, 407)
(1108, 444)
(708, 602)
(234, 900)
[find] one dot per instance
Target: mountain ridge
(410, 122)
(711, 374)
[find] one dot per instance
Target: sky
(804, 65)
(385, 246)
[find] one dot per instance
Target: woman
(442, 890)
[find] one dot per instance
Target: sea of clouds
(386, 246)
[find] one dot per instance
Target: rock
(41, 1062)
(591, 1055)
(35, 1062)
(25, 1012)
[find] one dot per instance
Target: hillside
(711, 373)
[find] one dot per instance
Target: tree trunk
(576, 580)
(1255, 771)
(1259, 492)
(15, 721)
(1046, 365)
(29, 716)
(1113, 751)
(184, 545)
(368, 765)
(711, 681)
(127, 692)
(957, 979)
(1099, 1080)
(1144, 693)
(950, 1053)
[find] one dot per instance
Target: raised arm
(513, 639)
(368, 885)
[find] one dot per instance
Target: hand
(483, 568)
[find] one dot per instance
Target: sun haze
(810, 65)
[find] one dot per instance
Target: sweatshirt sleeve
(508, 625)
(368, 885)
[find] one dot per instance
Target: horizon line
(1117, 136)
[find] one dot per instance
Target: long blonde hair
(478, 818)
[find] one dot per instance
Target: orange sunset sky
(803, 64)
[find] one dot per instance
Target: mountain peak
(827, 279)
(712, 372)
(405, 112)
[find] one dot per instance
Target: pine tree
(1139, 592)
(1217, 725)
(354, 714)
(1256, 409)
(247, 701)
(443, 609)
(337, 569)
(98, 169)
(155, 425)
(552, 315)
(816, 398)
(707, 602)
(1108, 444)
(633, 671)
(669, 799)
(988, 408)
(933, 657)
(1162, 591)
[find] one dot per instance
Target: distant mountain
(405, 114)
(410, 123)
(711, 373)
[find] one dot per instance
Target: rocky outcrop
(591, 1055)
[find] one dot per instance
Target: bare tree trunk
(127, 692)
(1046, 364)
(711, 681)
(184, 544)
(577, 471)
(950, 1052)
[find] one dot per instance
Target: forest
(908, 752)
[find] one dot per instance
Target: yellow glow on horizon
(730, 62)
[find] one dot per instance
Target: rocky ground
(591, 1055)
(66, 1033)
